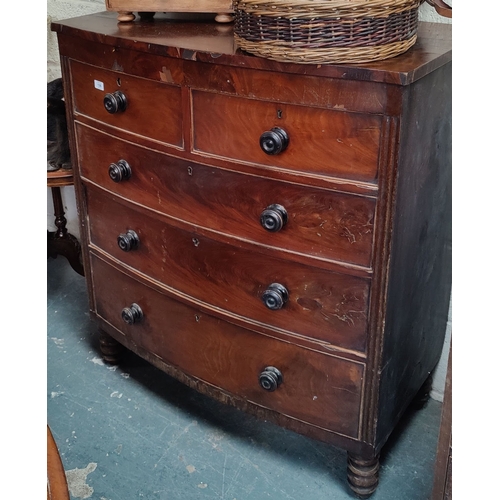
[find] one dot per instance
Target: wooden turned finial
(125, 17)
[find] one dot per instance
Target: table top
(60, 178)
(209, 41)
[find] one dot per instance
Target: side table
(60, 242)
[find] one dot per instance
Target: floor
(131, 432)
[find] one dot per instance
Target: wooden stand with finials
(147, 8)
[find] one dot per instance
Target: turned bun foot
(146, 16)
(423, 395)
(224, 18)
(110, 349)
(125, 17)
(362, 475)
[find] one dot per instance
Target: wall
(56, 10)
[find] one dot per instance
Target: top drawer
(153, 109)
(319, 141)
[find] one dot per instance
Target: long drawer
(319, 223)
(320, 304)
(320, 141)
(319, 389)
(153, 109)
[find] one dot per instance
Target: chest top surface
(214, 43)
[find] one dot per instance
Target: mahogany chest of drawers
(277, 236)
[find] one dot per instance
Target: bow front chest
(275, 235)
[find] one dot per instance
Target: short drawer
(321, 304)
(153, 109)
(316, 388)
(319, 141)
(318, 223)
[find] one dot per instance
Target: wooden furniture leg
(423, 395)
(147, 16)
(362, 474)
(224, 17)
(110, 349)
(60, 242)
(125, 16)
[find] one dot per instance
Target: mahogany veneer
(277, 236)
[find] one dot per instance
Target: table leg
(60, 242)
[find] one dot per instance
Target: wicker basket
(326, 31)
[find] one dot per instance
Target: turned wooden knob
(132, 314)
(115, 102)
(128, 241)
(273, 218)
(274, 141)
(270, 379)
(120, 171)
(275, 296)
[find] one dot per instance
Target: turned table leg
(111, 350)
(60, 242)
(362, 474)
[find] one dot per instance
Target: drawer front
(316, 388)
(320, 141)
(324, 305)
(153, 109)
(319, 223)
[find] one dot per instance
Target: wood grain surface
(323, 305)
(324, 224)
(319, 389)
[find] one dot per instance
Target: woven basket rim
(325, 8)
(326, 31)
(339, 55)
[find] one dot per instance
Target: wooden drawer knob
(132, 314)
(115, 102)
(274, 141)
(275, 296)
(270, 379)
(120, 171)
(273, 218)
(128, 241)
